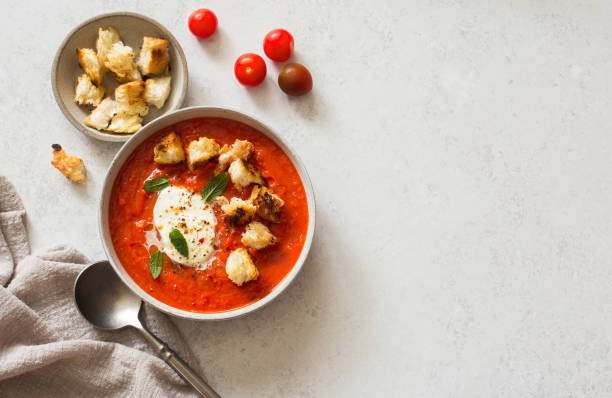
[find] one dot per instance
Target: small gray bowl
(132, 27)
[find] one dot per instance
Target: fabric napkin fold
(47, 349)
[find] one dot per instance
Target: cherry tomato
(250, 69)
(202, 23)
(278, 45)
(295, 79)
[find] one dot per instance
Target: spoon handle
(179, 365)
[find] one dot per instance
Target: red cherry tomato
(278, 45)
(202, 23)
(250, 69)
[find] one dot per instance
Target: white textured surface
(460, 152)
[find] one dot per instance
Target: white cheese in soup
(186, 211)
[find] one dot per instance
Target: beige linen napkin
(47, 349)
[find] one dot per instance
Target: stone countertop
(460, 153)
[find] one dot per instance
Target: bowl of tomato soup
(216, 233)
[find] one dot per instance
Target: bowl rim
(153, 127)
(101, 135)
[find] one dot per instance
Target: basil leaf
(155, 263)
(156, 184)
(215, 187)
(178, 241)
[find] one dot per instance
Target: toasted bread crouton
(201, 151)
(154, 56)
(240, 149)
(86, 93)
(157, 91)
(127, 123)
(102, 115)
(120, 61)
(130, 106)
(257, 236)
(221, 200)
(267, 202)
(90, 64)
(129, 98)
(70, 166)
(243, 174)
(240, 267)
(239, 211)
(105, 41)
(169, 150)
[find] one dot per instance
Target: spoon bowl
(104, 300)
(108, 304)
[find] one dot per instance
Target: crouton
(129, 98)
(239, 211)
(130, 93)
(240, 267)
(154, 56)
(243, 174)
(267, 202)
(257, 236)
(70, 166)
(85, 93)
(240, 149)
(90, 64)
(201, 151)
(105, 41)
(102, 115)
(120, 61)
(169, 150)
(124, 122)
(221, 200)
(157, 91)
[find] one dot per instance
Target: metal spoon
(108, 304)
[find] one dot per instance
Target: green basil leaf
(156, 184)
(155, 264)
(178, 241)
(215, 187)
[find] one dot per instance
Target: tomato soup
(207, 290)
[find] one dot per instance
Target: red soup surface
(209, 290)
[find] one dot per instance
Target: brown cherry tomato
(294, 79)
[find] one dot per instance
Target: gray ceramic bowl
(132, 27)
(150, 129)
